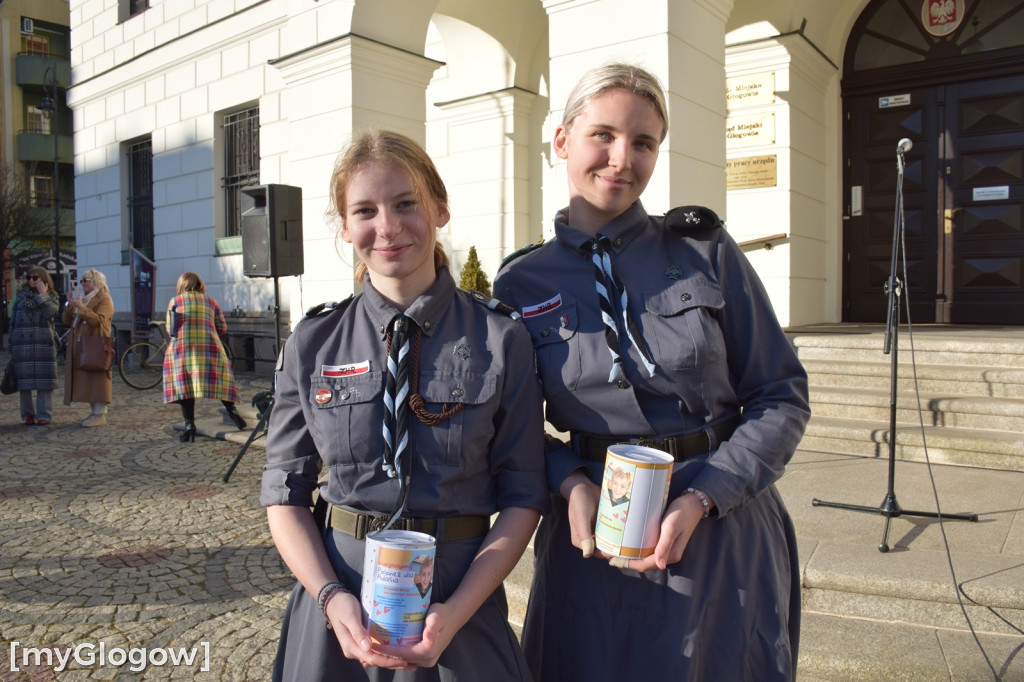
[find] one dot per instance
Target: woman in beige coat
(88, 313)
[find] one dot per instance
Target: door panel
(963, 203)
(871, 135)
(984, 250)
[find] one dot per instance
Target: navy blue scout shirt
(718, 351)
(329, 407)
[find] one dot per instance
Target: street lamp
(49, 108)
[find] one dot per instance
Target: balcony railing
(30, 70)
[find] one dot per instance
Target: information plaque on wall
(751, 172)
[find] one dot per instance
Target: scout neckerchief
(396, 411)
(401, 395)
(608, 285)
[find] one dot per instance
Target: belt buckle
(377, 523)
(656, 443)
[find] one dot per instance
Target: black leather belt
(595, 448)
(448, 529)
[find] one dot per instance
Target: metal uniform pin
(323, 396)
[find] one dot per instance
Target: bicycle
(142, 363)
(61, 345)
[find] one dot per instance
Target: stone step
(836, 648)
(929, 349)
(937, 409)
(985, 448)
(948, 379)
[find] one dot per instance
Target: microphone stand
(890, 507)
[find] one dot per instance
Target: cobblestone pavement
(121, 541)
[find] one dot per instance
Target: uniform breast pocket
(464, 437)
(556, 343)
(348, 415)
(680, 324)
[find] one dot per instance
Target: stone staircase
(874, 616)
(969, 384)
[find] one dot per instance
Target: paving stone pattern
(122, 536)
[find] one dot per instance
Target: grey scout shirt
(707, 320)
(329, 406)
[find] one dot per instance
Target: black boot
(235, 417)
(189, 434)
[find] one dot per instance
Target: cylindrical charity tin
(398, 573)
(634, 492)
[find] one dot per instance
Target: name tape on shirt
(541, 308)
(345, 370)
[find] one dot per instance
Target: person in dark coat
(473, 449)
(656, 330)
(196, 365)
(31, 339)
(88, 313)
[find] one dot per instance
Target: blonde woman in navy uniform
(655, 329)
(475, 444)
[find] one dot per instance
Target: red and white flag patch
(541, 308)
(345, 370)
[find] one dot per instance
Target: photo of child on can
(398, 573)
(633, 497)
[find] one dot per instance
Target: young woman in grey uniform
(475, 444)
(655, 329)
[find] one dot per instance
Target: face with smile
(392, 227)
(611, 148)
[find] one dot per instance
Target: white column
(782, 139)
(481, 147)
(331, 90)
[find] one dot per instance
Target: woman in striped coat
(196, 365)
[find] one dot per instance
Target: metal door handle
(947, 219)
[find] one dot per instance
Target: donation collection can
(398, 573)
(634, 491)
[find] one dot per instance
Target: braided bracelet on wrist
(324, 596)
(704, 500)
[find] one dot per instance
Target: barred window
(241, 163)
(140, 196)
(126, 9)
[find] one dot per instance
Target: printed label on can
(634, 491)
(398, 575)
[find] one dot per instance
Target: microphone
(904, 146)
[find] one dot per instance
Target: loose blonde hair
(614, 76)
(388, 148)
(99, 280)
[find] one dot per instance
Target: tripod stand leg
(258, 430)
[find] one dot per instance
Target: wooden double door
(963, 201)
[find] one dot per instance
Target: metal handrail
(768, 243)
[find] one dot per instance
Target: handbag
(9, 384)
(96, 353)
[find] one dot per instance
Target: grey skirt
(485, 648)
(728, 610)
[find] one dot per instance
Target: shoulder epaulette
(325, 308)
(690, 218)
(520, 252)
(495, 305)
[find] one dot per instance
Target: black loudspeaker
(272, 230)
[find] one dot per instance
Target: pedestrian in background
(656, 330)
(195, 365)
(474, 445)
(32, 344)
(88, 314)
